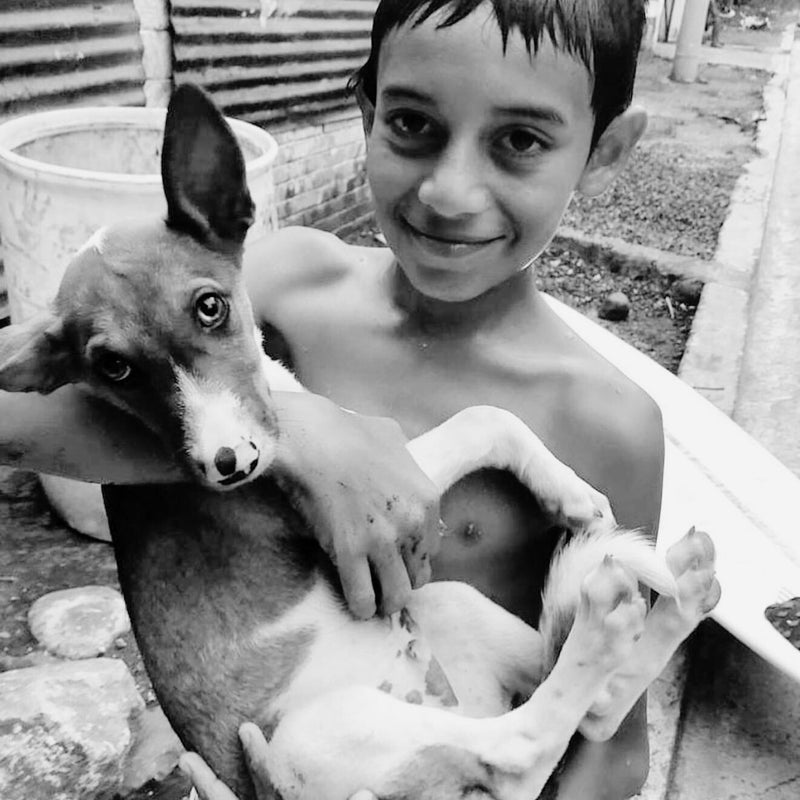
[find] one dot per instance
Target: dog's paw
(610, 618)
(692, 561)
(572, 503)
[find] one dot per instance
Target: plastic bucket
(66, 173)
(63, 175)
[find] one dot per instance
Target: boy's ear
(203, 171)
(610, 154)
(34, 356)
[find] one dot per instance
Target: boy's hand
(375, 513)
(209, 787)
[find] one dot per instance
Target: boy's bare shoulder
(614, 408)
(296, 260)
(622, 433)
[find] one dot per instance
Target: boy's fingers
(394, 581)
(417, 554)
(207, 784)
(356, 581)
(418, 568)
(255, 754)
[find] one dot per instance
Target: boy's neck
(517, 295)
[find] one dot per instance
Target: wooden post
(653, 11)
(157, 50)
(690, 39)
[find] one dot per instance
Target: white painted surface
(720, 479)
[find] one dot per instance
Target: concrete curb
(713, 357)
(712, 364)
(604, 251)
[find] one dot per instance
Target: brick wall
(319, 173)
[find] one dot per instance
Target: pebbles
(658, 319)
(616, 307)
(72, 724)
(79, 623)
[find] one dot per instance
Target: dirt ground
(678, 182)
(699, 138)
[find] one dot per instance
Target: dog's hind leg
(669, 622)
(510, 757)
(609, 620)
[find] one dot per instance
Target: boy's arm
(627, 464)
(372, 509)
(70, 434)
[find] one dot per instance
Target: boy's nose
(455, 187)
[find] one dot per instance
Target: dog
(236, 610)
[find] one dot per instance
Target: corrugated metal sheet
(55, 52)
(272, 69)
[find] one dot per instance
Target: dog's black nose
(225, 461)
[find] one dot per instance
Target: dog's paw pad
(575, 505)
(612, 613)
(692, 562)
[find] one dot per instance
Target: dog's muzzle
(232, 465)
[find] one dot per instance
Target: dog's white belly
(489, 655)
(351, 715)
(453, 649)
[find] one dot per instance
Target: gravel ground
(676, 188)
(660, 317)
(689, 201)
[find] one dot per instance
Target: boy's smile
(474, 153)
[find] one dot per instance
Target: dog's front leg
(485, 436)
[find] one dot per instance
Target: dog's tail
(574, 560)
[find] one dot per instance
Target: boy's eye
(520, 141)
(410, 124)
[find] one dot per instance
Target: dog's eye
(211, 309)
(114, 367)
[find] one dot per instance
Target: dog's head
(153, 316)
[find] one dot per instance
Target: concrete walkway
(732, 55)
(738, 735)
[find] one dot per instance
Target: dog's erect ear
(34, 356)
(203, 171)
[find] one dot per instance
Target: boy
(481, 119)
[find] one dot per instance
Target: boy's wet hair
(604, 35)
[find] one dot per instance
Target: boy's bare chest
(354, 348)
(497, 539)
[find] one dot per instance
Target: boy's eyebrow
(404, 93)
(537, 113)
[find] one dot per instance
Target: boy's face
(474, 154)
